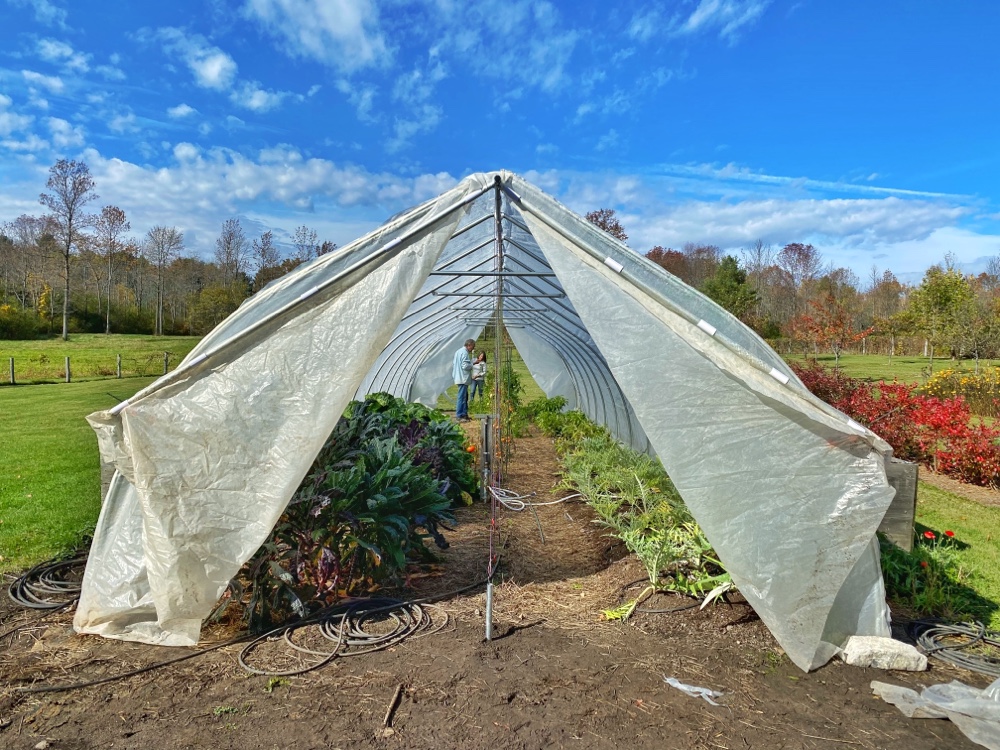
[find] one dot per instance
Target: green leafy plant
(634, 498)
(379, 489)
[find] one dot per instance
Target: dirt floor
(556, 673)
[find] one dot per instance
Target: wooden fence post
(166, 360)
(67, 370)
(119, 367)
(12, 371)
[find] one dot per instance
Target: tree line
(77, 268)
(799, 302)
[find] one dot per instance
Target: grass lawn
(905, 369)
(977, 531)
(50, 477)
(92, 355)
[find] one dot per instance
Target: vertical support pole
(67, 370)
(118, 368)
(489, 611)
(12, 371)
(166, 360)
(497, 420)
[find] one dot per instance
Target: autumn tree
(71, 188)
(109, 226)
(231, 251)
(304, 242)
(803, 264)
(160, 247)
(607, 219)
(265, 261)
(829, 323)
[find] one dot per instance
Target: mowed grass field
(874, 367)
(50, 477)
(92, 355)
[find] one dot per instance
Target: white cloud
(31, 143)
(64, 134)
(123, 122)
(647, 23)
(343, 34)
(11, 121)
(200, 187)
(45, 12)
(212, 68)
(52, 83)
(359, 96)
(61, 53)
(181, 111)
(713, 178)
(250, 95)
(110, 72)
(728, 16)
(609, 141)
(424, 118)
(860, 221)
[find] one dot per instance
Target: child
(478, 376)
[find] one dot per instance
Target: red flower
(923, 563)
(929, 534)
(949, 533)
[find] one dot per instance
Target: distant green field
(905, 369)
(92, 355)
(50, 477)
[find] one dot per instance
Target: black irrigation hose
(46, 586)
(355, 632)
(950, 644)
(131, 673)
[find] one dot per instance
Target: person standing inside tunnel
(478, 376)
(461, 370)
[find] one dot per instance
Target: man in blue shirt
(461, 370)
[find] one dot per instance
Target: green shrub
(19, 324)
(930, 580)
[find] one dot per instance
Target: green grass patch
(977, 539)
(50, 479)
(874, 367)
(92, 355)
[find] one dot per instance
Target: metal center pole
(497, 444)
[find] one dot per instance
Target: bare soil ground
(555, 675)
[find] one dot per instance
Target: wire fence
(45, 369)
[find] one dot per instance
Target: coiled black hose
(962, 645)
(47, 585)
(349, 628)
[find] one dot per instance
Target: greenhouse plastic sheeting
(208, 461)
(208, 456)
(778, 486)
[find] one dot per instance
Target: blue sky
(868, 129)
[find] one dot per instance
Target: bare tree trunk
(65, 330)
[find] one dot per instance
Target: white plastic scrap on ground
(695, 692)
(975, 712)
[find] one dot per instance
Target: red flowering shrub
(936, 432)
